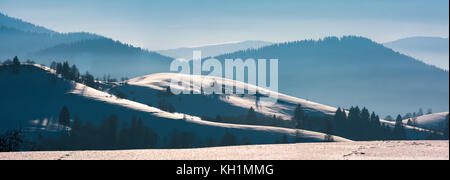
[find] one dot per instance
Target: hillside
(147, 90)
(41, 94)
(90, 52)
(436, 121)
(349, 71)
(18, 24)
(105, 56)
(152, 90)
(431, 50)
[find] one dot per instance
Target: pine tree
(251, 115)
(420, 113)
(329, 132)
(354, 118)
(298, 136)
(340, 121)
(364, 124)
(64, 116)
(399, 130)
(299, 117)
(16, 65)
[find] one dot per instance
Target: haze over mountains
(213, 50)
(347, 71)
(431, 50)
(340, 72)
(97, 54)
(21, 25)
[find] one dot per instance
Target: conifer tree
(399, 130)
(299, 117)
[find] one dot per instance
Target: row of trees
(71, 72)
(15, 63)
(356, 124)
(110, 134)
(412, 115)
(11, 141)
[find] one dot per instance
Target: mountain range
(431, 50)
(349, 71)
(213, 50)
(90, 52)
(340, 72)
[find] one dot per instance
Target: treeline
(67, 71)
(411, 116)
(110, 134)
(355, 124)
(70, 72)
(252, 118)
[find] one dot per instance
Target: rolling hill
(20, 43)
(152, 90)
(90, 52)
(104, 56)
(436, 121)
(32, 100)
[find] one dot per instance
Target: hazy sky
(162, 24)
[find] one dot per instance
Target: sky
(166, 24)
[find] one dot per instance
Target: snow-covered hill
(148, 90)
(33, 99)
(434, 121)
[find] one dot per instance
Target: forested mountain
(21, 25)
(15, 42)
(99, 55)
(103, 56)
(351, 71)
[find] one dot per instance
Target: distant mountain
(15, 42)
(35, 96)
(18, 24)
(431, 50)
(213, 50)
(347, 71)
(103, 56)
(90, 52)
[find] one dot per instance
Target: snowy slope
(33, 100)
(147, 89)
(434, 121)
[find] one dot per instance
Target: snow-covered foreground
(376, 150)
